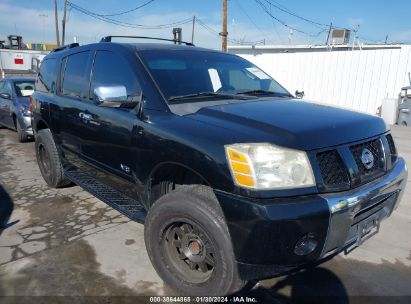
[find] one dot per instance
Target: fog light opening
(306, 244)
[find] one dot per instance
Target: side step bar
(115, 199)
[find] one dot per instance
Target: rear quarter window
(75, 79)
(46, 78)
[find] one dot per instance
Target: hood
(292, 123)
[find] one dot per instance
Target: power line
(287, 11)
(126, 24)
(231, 40)
(251, 20)
(128, 11)
(264, 8)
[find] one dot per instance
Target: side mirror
(110, 96)
(5, 95)
(299, 94)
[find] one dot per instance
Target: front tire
(48, 160)
(189, 245)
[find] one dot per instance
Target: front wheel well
(41, 125)
(170, 176)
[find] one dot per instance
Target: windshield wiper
(263, 92)
(202, 95)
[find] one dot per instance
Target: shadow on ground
(339, 281)
(6, 208)
(74, 264)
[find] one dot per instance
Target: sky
(247, 21)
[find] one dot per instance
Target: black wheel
(189, 245)
(22, 136)
(48, 160)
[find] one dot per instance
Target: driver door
(109, 137)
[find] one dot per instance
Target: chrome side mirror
(5, 96)
(110, 96)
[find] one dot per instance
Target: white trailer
(19, 62)
(359, 78)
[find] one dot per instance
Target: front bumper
(27, 123)
(265, 232)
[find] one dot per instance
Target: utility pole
(63, 25)
(329, 33)
(192, 32)
(56, 21)
(224, 33)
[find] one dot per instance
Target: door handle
(84, 116)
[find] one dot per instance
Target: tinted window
(5, 88)
(75, 79)
(182, 73)
(47, 75)
(24, 88)
(2, 87)
(111, 69)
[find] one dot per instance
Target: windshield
(24, 88)
(181, 75)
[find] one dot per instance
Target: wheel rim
(44, 159)
(190, 251)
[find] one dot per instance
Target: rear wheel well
(168, 177)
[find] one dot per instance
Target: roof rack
(66, 47)
(108, 39)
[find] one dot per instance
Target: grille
(393, 151)
(375, 147)
(332, 169)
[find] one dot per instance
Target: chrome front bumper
(351, 211)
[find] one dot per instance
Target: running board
(115, 199)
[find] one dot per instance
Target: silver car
(14, 105)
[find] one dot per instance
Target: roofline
(305, 47)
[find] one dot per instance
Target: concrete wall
(359, 79)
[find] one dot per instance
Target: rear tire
(49, 161)
(22, 136)
(189, 245)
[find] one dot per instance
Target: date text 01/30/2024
(203, 300)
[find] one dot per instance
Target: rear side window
(75, 78)
(5, 87)
(47, 75)
(111, 69)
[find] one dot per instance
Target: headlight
(264, 166)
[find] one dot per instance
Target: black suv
(234, 179)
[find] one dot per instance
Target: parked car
(234, 179)
(14, 105)
(404, 107)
